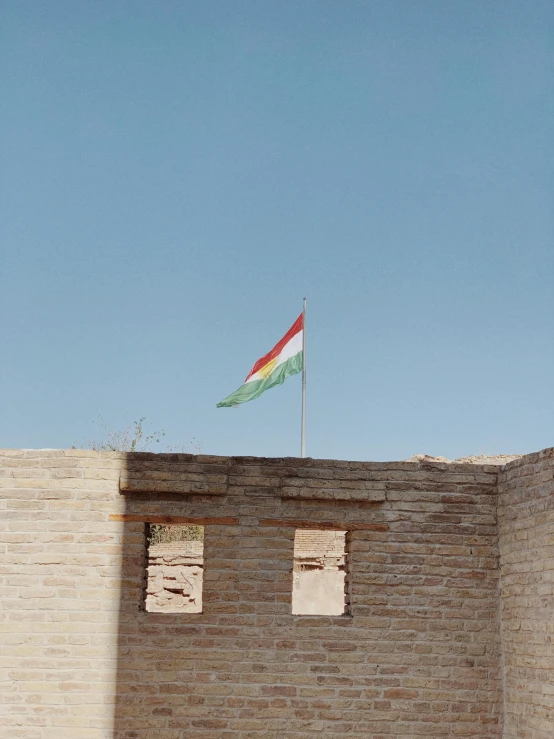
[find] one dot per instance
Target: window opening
(174, 568)
(319, 573)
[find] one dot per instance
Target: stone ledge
(291, 492)
(173, 484)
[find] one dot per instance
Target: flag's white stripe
(290, 349)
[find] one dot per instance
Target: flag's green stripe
(251, 390)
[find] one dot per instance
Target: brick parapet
(418, 656)
(526, 545)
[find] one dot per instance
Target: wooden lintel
(333, 525)
(225, 521)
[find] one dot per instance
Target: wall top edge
(531, 458)
(427, 465)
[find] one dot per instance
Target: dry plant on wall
(134, 438)
(161, 534)
(131, 438)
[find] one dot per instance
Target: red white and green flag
(284, 360)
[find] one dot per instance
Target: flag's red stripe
(278, 348)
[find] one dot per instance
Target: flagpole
(303, 436)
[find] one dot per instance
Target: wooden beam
(226, 521)
(333, 525)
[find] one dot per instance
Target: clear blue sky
(177, 175)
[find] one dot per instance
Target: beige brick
(418, 656)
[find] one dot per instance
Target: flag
(284, 360)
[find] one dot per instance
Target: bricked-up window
(319, 573)
(174, 568)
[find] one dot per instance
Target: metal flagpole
(303, 438)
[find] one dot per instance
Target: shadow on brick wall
(154, 692)
(181, 675)
(418, 655)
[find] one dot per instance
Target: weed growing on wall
(134, 438)
(162, 534)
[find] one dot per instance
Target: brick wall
(60, 586)
(313, 543)
(526, 542)
(319, 579)
(174, 575)
(418, 656)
